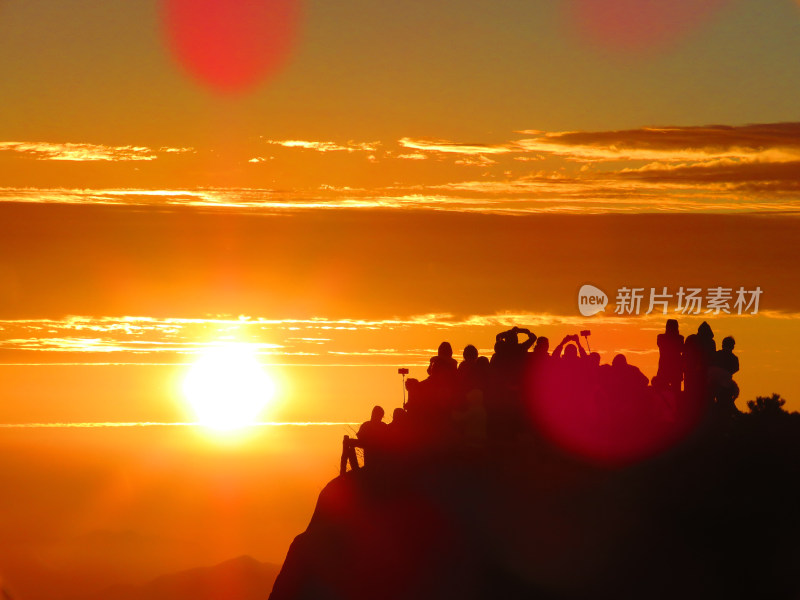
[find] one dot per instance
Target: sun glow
(228, 387)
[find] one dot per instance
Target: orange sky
(379, 178)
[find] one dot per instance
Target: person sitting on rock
(371, 438)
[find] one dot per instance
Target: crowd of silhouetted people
(479, 402)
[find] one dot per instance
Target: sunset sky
(344, 185)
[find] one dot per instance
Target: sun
(227, 387)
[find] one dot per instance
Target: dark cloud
(744, 139)
(752, 177)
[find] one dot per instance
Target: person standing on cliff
(670, 351)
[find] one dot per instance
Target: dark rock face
(716, 518)
(372, 537)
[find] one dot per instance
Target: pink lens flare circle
(636, 25)
(614, 430)
(231, 45)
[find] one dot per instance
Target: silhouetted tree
(767, 405)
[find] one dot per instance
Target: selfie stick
(587, 343)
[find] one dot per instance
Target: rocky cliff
(716, 517)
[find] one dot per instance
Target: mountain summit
(715, 517)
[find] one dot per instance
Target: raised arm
(560, 347)
(530, 341)
(502, 336)
(581, 351)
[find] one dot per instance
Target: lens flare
(637, 25)
(231, 45)
(611, 429)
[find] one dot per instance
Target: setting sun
(227, 387)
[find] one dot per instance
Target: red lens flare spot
(636, 25)
(613, 429)
(231, 45)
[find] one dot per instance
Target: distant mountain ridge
(27, 578)
(242, 578)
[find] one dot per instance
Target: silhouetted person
(443, 364)
(372, 437)
(723, 368)
(540, 357)
(473, 374)
(399, 417)
(569, 360)
(629, 371)
(429, 400)
(504, 403)
(441, 379)
(509, 340)
(483, 369)
(670, 357)
(348, 455)
(537, 369)
(622, 381)
(725, 358)
(698, 353)
(470, 355)
(418, 402)
(468, 371)
(568, 370)
(570, 352)
(706, 339)
(398, 432)
(412, 387)
(509, 354)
